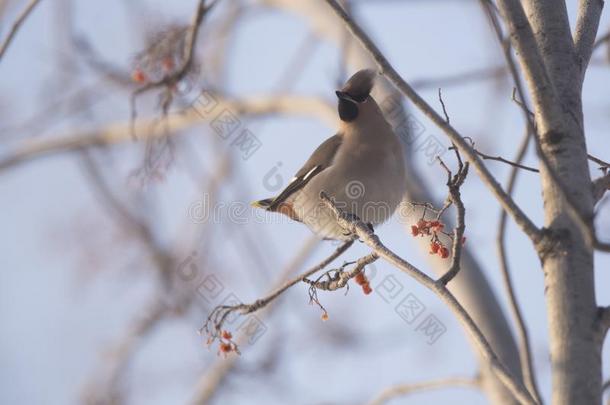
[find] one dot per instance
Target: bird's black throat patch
(348, 111)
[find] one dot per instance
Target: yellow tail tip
(264, 204)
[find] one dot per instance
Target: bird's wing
(321, 159)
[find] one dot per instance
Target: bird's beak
(344, 96)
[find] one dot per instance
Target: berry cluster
(363, 282)
(432, 229)
(227, 345)
(163, 56)
(166, 65)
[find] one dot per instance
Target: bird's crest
(359, 86)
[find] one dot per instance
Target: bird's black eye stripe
(360, 97)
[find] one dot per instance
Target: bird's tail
(264, 204)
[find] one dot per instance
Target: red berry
(138, 76)
(325, 316)
(226, 335)
(226, 348)
(444, 252)
(367, 289)
(360, 278)
(434, 247)
(414, 230)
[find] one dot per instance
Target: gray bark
(543, 39)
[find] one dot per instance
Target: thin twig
(402, 390)
(600, 186)
(525, 351)
(503, 160)
(215, 321)
(340, 277)
(454, 182)
(587, 24)
(170, 80)
(209, 384)
(601, 40)
(15, 27)
(365, 234)
(119, 132)
(598, 161)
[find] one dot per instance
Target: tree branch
(525, 351)
(215, 321)
(524, 42)
(587, 24)
(150, 128)
(600, 186)
(209, 384)
(385, 68)
(356, 227)
(15, 27)
(409, 388)
(508, 162)
(454, 183)
(604, 321)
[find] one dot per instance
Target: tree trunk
(553, 73)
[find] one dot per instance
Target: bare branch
(508, 162)
(520, 217)
(454, 183)
(188, 51)
(604, 322)
(170, 80)
(214, 323)
(336, 279)
(150, 128)
(525, 351)
(340, 277)
(409, 388)
(598, 161)
(587, 24)
(524, 42)
(105, 386)
(365, 234)
(162, 259)
(600, 186)
(15, 27)
(210, 383)
(460, 79)
(601, 40)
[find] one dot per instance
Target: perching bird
(361, 168)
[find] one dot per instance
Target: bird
(361, 168)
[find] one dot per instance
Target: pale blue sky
(66, 291)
